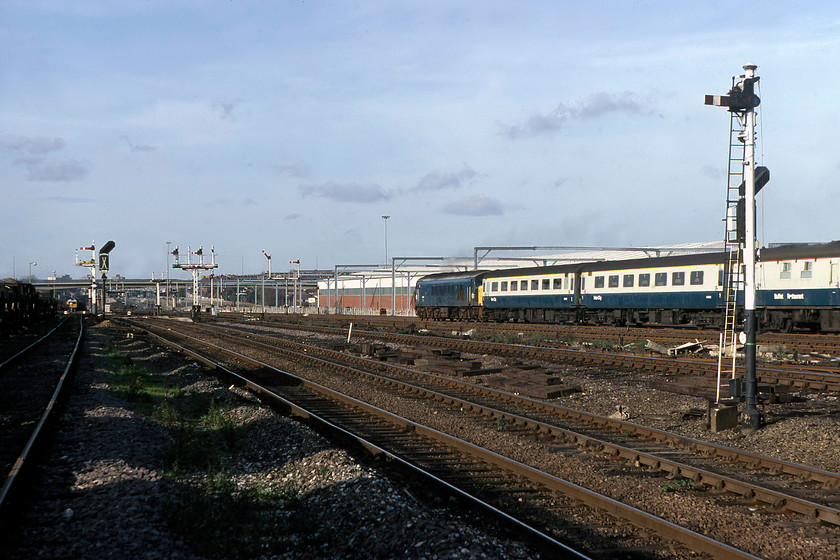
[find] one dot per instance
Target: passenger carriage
(797, 286)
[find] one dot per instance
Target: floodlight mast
(742, 101)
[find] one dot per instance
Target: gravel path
(104, 490)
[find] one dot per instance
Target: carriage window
(696, 278)
(613, 281)
(535, 284)
(513, 285)
(558, 283)
(807, 267)
(628, 281)
(644, 280)
(504, 286)
(661, 279)
(677, 278)
(495, 286)
(546, 283)
(599, 282)
(523, 285)
(786, 271)
(582, 283)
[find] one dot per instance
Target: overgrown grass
(603, 344)
(780, 353)
(219, 520)
(676, 485)
(200, 428)
(131, 381)
(638, 345)
(206, 508)
(512, 338)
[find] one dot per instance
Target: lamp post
(33, 263)
(297, 286)
(168, 243)
(385, 221)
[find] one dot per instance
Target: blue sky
(292, 127)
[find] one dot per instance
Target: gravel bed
(103, 491)
(804, 432)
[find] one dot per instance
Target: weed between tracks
(513, 338)
(676, 485)
(207, 508)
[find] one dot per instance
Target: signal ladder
(733, 270)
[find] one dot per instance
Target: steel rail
(14, 474)
(274, 398)
(755, 460)
(798, 379)
(774, 498)
(794, 341)
(9, 361)
(639, 518)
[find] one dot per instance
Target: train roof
(463, 275)
(783, 252)
(656, 262)
(801, 251)
(623, 264)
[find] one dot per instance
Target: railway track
(801, 342)
(32, 381)
(786, 376)
(654, 450)
(612, 437)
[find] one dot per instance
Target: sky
(292, 127)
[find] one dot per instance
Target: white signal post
(751, 417)
(91, 264)
(196, 269)
(269, 263)
(743, 101)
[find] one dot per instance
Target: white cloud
(596, 105)
(190, 123)
(293, 169)
(54, 169)
(30, 144)
(478, 205)
(437, 181)
(346, 192)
